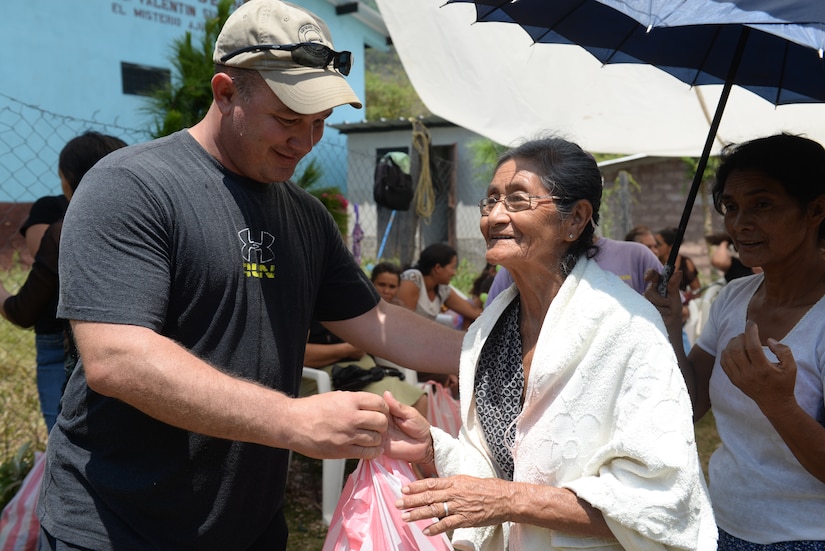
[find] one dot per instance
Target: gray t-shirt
(160, 235)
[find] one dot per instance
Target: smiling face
(261, 138)
(518, 239)
(768, 227)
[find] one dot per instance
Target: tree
(185, 100)
(389, 92)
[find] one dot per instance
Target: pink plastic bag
(443, 411)
(19, 527)
(366, 518)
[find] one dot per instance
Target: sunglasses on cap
(306, 54)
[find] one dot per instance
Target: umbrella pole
(670, 266)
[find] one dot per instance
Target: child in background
(386, 276)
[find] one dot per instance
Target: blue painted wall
(64, 59)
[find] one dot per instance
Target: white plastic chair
(333, 469)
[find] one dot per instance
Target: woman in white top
(760, 361)
(426, 287)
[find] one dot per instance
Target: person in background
(690, 275)
(386, 276)
(192, 270)
(643, 235)
(759, 363)
(576, 423)
(481, 285)
(35, 304)
(44, 212)
(726, 261)
(425, 288)
(480, 289)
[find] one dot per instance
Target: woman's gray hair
(569, 172)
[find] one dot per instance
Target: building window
(140, 80)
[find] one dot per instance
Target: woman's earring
(571, 236)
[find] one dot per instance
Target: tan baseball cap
(305, 78)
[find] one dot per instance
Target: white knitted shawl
(606, 415)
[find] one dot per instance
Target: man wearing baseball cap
(191, 270)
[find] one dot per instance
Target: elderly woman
(577, 423)
(760, 360)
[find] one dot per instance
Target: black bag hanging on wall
(393, 188)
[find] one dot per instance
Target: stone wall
(658, 192)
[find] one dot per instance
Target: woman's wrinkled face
(767, 225)
(524, 237)
(387, 285)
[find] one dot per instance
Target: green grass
(20, 418)
(707, 439)
(22, 429)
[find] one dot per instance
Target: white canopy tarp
(490, 78)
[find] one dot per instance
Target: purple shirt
(627, 259)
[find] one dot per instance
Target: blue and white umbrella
(773, 48)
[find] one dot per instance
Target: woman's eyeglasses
(515, 202)
(306, 54)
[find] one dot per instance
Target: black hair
(797, 163)
(436, 254)
(570, 173)
(668, 235)
(484, 281)
(81, 153)
(385, 268)
(636, 232)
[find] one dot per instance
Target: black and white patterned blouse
(499, 384)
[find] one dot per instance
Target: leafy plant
(389, 93)
(13, 471)
(186, 99)
(691, 165)
(484, 154)
(465, 274)
(332, 197)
